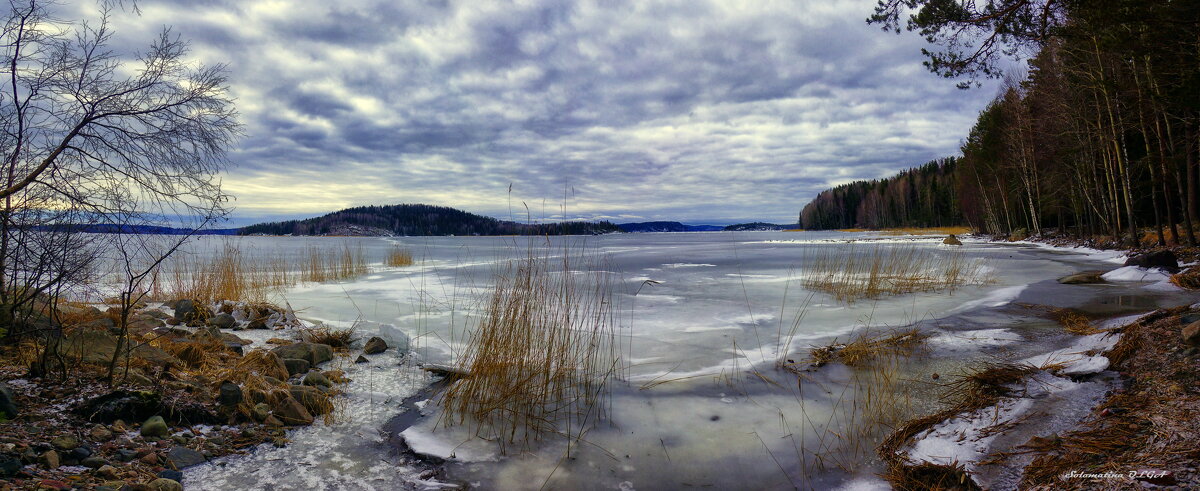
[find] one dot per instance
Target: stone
(311, 398)
(952, 240)
(126, 455)
(296, 366)
(257, 323)
(187, 311)
(272, 421)
(93, 462)
(97, 347)
(164, 484)
(181, 457)
(291, 412)
(100, 434)
(8, 402)
(375, 345)
(361, 359)
(49, 459)
(317, 379)
(315, 353)
(260, 412)
(107, 471)
(173, 475)
(1084, 278)
(1191, 334)
(394, 337)
(155, 427)
(79, 453)
(149, 459)
(1158, 259)
(230, 394)
(222, 321)
(9, 465)
(65, 442)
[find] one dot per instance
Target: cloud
(691, 110)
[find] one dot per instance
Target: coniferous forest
(1099, 137)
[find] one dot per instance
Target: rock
(100, 433)
(49, 459)
(65, 442)
(107, 471)
(230, 394)
(291, 412)
(164, 484)
(313, 399)
(9, 465)
(315, 353)
(257, 323)
(361, 359)
(1191, 334)
(317, 379)
(98, 347)
(1158, 259)
(126, 455)
(450, 372)
(279, 341)
(272, 421)
(235, 348)
(1084, 278)
(394, 337)
(375, 345)
(53, 484)
(8, 402)
(222, 321)
(260, 412)
(149, 459)
(181, 457)
(296, 366)
(171, 474)
(952, 240)
(155, 427)
(113, 485)
(186, 311)
(93, 462)
(79, 453)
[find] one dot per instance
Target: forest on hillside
(1099, 137)
(415, 219)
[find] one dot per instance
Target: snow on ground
(1094, 254)
(1134, 273)
(1085, 356)
(971, 340)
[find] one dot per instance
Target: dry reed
(540, 359)
(398, 257)
(850, 273)
(336, 338)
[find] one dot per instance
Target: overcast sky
(698, 111)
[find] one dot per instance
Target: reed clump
(398, 257)
(869, 346)
(344, 263)
(854, 273)
(340, 339)
(541, 357)
(1075, 322)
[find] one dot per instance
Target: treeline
(924, 196)
(1099, 139)
(416, 220)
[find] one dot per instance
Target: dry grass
(929, 477)
(398, 257)
(339, 339)
(869, 346)
(321, 265)
(540, 359)
(1188, 278)
(1075, 322)
(851, 273)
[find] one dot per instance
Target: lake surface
(701, 320)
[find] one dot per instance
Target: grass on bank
(852, 273)
(398, 257)
(914, 230)
(540, 360)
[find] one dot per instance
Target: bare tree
(91, 136)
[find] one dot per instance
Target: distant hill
(112, 228)
(759, 227)
(666, 227)
(416, 219)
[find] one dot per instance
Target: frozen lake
(698, 402)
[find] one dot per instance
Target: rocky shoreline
(191, 390)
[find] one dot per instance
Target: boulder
(93, 462)
(171, 474)
(100, 434)
(122, 405)
(222, 321)
(230, 394)
(187, 311)
(181, 457)
(65, 442)
(260, 412)
(361, 359)
(155, 428)
(312, 398)
(49, 459)
(296, 366)
(9, 465)
(98, 347)
(1191, 334)
(317, 379)
(290, 412)
(315, 353)
(8, 402)
(164, 484)
(1084, 278)
(394, 337)
(1158, 259)
(375, 345)
(952, 240)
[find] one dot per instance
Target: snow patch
(1134, 273)
(975, 339)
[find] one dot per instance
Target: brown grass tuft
(1075, 322)
(869, 346)
(337, 338)
(1188, 278)
(850, 273)
(398, 257)
(929, 477)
